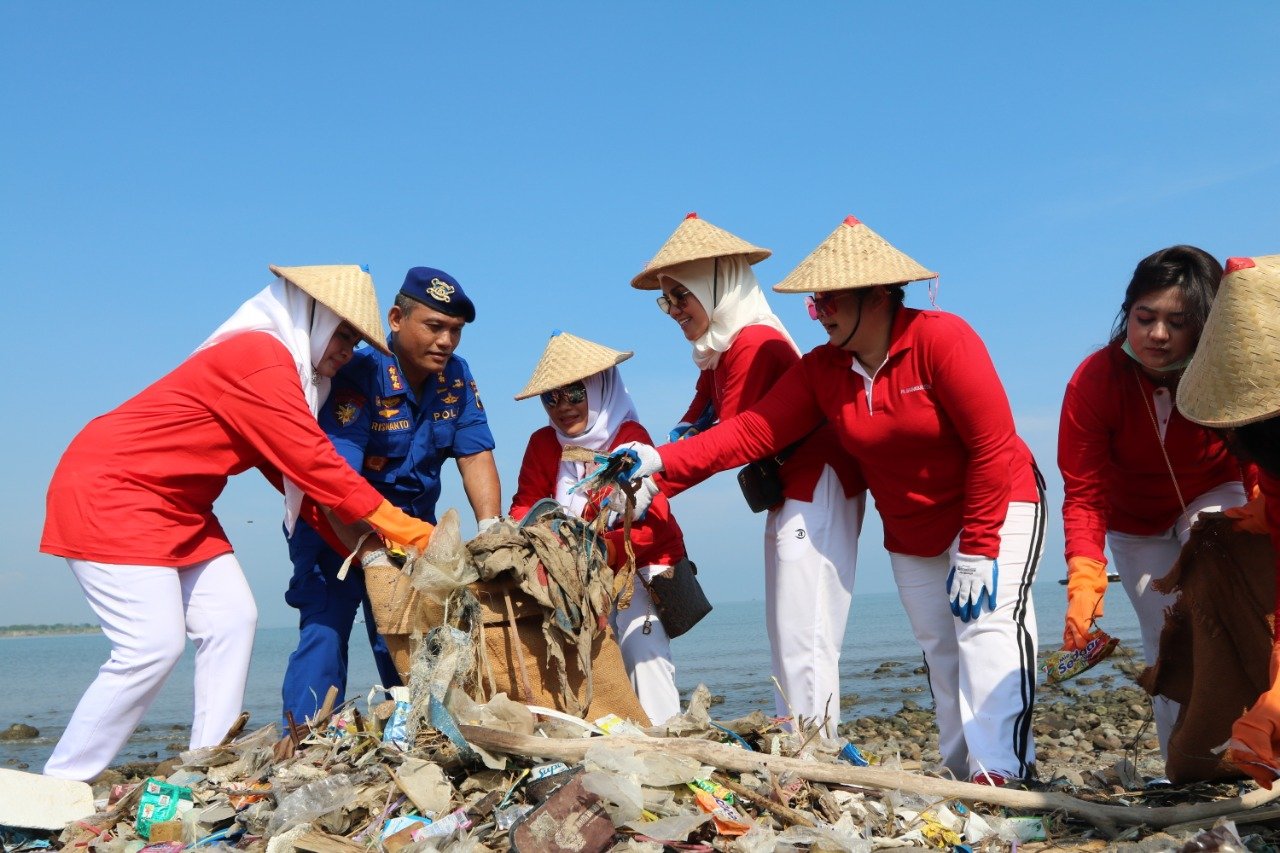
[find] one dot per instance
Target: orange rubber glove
(1254, 737)
(400, 527)
(1086, 584)
(1250, 518)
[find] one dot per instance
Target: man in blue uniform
(395, 419)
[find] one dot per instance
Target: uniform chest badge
(393, 376)
(346, 413)
(457, 383)
(449, 399)
(375, 463)
(388, 413)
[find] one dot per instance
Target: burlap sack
(395, 605)
(611, 688)
(1216, 644)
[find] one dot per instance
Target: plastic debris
(1068, 663)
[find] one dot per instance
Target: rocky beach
(1095, 742)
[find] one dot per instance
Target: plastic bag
(311, 801)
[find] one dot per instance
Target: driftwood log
(1106, 818)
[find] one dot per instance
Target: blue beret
(439, 291)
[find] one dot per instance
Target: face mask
(1128, 350)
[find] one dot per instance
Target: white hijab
(305, 327)
(609, 406)
(733, 300)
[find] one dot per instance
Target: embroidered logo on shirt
(449, 399)
(446, 415)
(457, 383)
(475, 392)
(388, 413)
(391, 401)
(914, 388)
(346, 412)
(375, 463)
(393, 376)
(440, 290)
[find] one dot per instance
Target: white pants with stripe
(647, 657)
(148, 613)
(811, 554)
(1139, 560)
(981, 672)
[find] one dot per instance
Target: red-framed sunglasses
(823, 304)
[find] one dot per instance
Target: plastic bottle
(311, 801)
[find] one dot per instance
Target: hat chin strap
(857, 325)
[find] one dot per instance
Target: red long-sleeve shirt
(758, 358)
(656, 539)
(1109, 451)
(934, 437)
(137, 485)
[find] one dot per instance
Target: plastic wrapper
(1067, 663)
(311, 801)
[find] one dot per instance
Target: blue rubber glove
(641, 460)
(971, 583)
(684, 429)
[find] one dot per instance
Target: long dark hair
(1194, 271)
(1259, 442)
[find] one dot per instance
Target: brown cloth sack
(611, 688)
(395, 605)
(1215, 648)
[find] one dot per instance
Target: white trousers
(981, 672)
(810, 557)
(147, 612)
(647, 657)
(1139, 560)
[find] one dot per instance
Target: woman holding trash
(588, 406)
(914, 397)
(1233, 383)
(741, 349)
(1137, 473)
(130, 505)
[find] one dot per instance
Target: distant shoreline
(15, 631)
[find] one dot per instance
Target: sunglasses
(676, 300)
(571, 394)
(822, 304)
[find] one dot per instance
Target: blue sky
(156, 157)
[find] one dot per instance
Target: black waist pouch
(678, 598)
(761, 484)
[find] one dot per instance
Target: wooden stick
(525, 687)
(787, 814)
(236, 728)
(1105, 818)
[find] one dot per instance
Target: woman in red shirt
(588, 406)
(915, 399)
(130, 505)
(1233, 383)
(1136, 473)
(811, 537)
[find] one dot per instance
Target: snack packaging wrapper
(1068, 663)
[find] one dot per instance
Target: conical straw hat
(1234, 376)
(693, 240)
(853, 256)
(569, 358)
(346, 290)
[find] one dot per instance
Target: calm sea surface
(41, 678)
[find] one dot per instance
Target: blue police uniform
(399, 443)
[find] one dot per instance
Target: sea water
(41, 678)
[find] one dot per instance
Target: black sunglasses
(572, 394)
(676, 300)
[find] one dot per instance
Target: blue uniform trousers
(326, 613)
